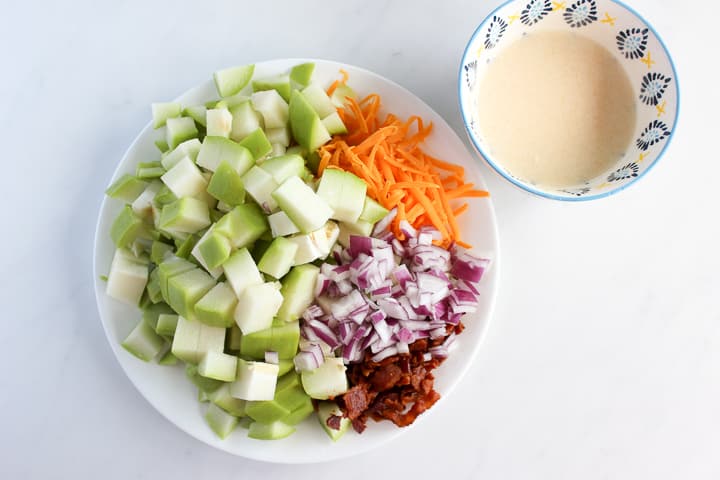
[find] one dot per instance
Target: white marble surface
(603, 359)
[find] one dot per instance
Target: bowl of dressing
(568, 100)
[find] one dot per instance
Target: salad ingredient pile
(299, 255)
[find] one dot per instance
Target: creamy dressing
(556, 109)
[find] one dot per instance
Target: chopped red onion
(439, 311)
(377, 316)
(344, 287)
(384, 223)
(440, 274)
(435, 286)
(386, 236)
(315, 349)
(404, 335)
(358, 245)
(385, 293)
(336, 273)
(424, 238)
(418, 334)
(309, 334)
(351, 351)
(345, 257)
(463, 297)
(383, 330)
(321, 284)
(345, 331)
(312, 312)
(439, 351)
(332, 290)
(272, 357)
(324, 347)
(393, 322)
(427, 257)
(401, 274)
(453, 318)
(305, 362)
(386, 254)
(407, 229)
(361, 332)
(414, 325)
(398, 247)
(468, 267)
(405, 303)
(411, 290)
(337, 253)
(392, 308)
(343, 306)
(434, 232)
(450, 340)
(331, 321)
(456, 308)
(467, 286)
(438, 332)
(383, 354)
(369, 340)
(324, 333)
(423, 310)
(358, 315)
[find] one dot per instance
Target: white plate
(167, 388)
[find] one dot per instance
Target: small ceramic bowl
(627, 36)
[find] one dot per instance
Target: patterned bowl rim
(543, 193)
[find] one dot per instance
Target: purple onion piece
(407, 229)
(305, 361)
(469, 268)
(437, 332)
(369, 340)
(384, 223)
(383, 354)
(272, 357)
(438, 352)
(324, 333)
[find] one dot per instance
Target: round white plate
(167, 388)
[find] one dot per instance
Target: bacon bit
(333, 422)
(356, 400)
(398, 388)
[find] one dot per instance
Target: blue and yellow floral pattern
(581, 13)
(653, 87)
(576, 192)
(628, 171)
(535, 11)
(470, 72)
(654, 133)
(495, 32)
(632, 42)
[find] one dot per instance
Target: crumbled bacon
(398, 388)
(356, 400)
(333, 422)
